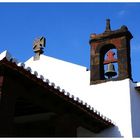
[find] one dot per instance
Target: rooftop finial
(108, 28)
(38, 45)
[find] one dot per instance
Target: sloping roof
(21, 68)
(76, 80)
(65, 74)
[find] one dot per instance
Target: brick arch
(105, 47)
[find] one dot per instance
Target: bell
(110, 71)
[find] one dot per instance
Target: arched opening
(108, 62)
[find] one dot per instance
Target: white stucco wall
(133, 118)
(135, 109)
(112, 98)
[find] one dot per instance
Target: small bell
(110, 71)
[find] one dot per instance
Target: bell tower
(110, 55)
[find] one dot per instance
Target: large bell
(110, 71)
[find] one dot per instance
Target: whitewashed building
(48, 97)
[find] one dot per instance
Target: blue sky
(67, 28)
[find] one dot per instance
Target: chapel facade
(48, 97)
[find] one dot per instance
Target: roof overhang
(46, 95)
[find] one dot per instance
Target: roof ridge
(60, 60)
